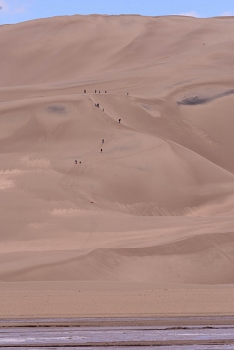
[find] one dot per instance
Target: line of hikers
(103, 141)
(99, 91)
(98, 105)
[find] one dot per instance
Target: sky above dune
(14, 11)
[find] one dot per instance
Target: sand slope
(157, 204)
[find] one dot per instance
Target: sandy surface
(116, 299)
(146, 226)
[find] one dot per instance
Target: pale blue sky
(13, 11)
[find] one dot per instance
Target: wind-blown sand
(146, 227)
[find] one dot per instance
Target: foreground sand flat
(116, 299)
(146, 227)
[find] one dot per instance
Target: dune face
(156, 205)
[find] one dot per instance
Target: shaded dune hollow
(116, 150)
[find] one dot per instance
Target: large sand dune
(156, 206)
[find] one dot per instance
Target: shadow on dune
(196, 100)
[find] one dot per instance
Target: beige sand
(150, 219)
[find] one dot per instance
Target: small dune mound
(202, 259)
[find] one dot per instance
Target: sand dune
(203, 259)
(156, 205)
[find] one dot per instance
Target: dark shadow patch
(196, 100)
(58, 109)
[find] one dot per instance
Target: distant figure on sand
(103, 109)
(103, 140)
(127, 93)
(101, 150)
(119, 120)
(75, 161)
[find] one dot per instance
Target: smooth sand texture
(114, 299)
(156, 206)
